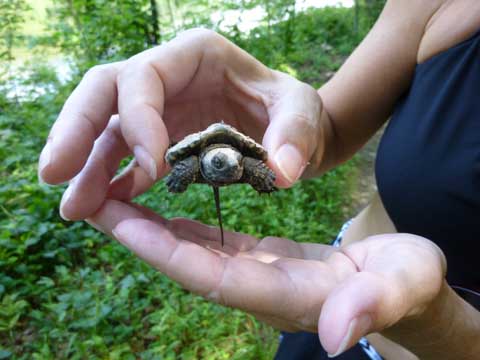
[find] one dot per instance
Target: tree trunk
(172, 16)
(356, 20)
(290, 27)
(269, 18)
(155, 34)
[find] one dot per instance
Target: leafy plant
(10, 26)
(96, 30)
(67, 291)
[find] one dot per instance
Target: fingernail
(358, 327)
(95, 225)
(115, 233)
(290, 162)
(44, 160)
(117, 236)
(65, 199)
(146, 161)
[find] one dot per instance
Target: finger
(191, 229)
(150, 215)
(292, 249)
(146, 83)
(267, 250)
(319, 252)
(133, 181)
(112, 212)
(238, 282)
(175, 226)
(88, 190)
(277, 323)
(194, 230)
(83, 118)
(141, 100)
(352, 311)
(294, 133)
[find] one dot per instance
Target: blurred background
(68, 292)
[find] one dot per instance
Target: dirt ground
(363, 183)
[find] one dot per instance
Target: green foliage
(97, 30)
(11, 19)
(12, 16)
(68, 292)
(320, 40)
(367, 12)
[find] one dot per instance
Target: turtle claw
(174, 185)
(258, 175)
(183, 174)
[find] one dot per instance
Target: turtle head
(221, 165)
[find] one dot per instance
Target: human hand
(344, 294)
(160, 96)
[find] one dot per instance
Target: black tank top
(428, 161)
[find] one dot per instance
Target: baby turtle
(220, 155)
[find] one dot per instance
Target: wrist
(446, 328)
(323, 157)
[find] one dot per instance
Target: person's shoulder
(410, 16)
(415, 8)
(444, 30)
(420, 3)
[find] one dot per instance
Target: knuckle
(213, 42)
(142, 63)
(268, 239)
(202, 33)
(99, 71)
(303, 119)
(308, 91)
(136, 64)
(114, 123)
(267, 242)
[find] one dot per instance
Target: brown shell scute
(218, 133)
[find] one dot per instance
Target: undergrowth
(67, 291)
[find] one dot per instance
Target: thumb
(294, 133)
(363, 304)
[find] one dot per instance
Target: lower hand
(343, 294)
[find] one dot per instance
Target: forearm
(326, 157)
(448, 329)
(335, 150)
(362, 95)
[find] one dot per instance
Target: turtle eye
(218, 161)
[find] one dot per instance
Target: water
(17, 87)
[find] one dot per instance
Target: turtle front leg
(183, 174)
(258, 174)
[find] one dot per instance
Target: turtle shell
(218, 133)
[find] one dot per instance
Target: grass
(67, 291)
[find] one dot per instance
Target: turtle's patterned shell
(218, 133)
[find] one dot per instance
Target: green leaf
(5, 354)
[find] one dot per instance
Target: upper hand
(160, 96)
(365, 287)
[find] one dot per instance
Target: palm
(284, 283)
(194, 99)
(184, 115)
